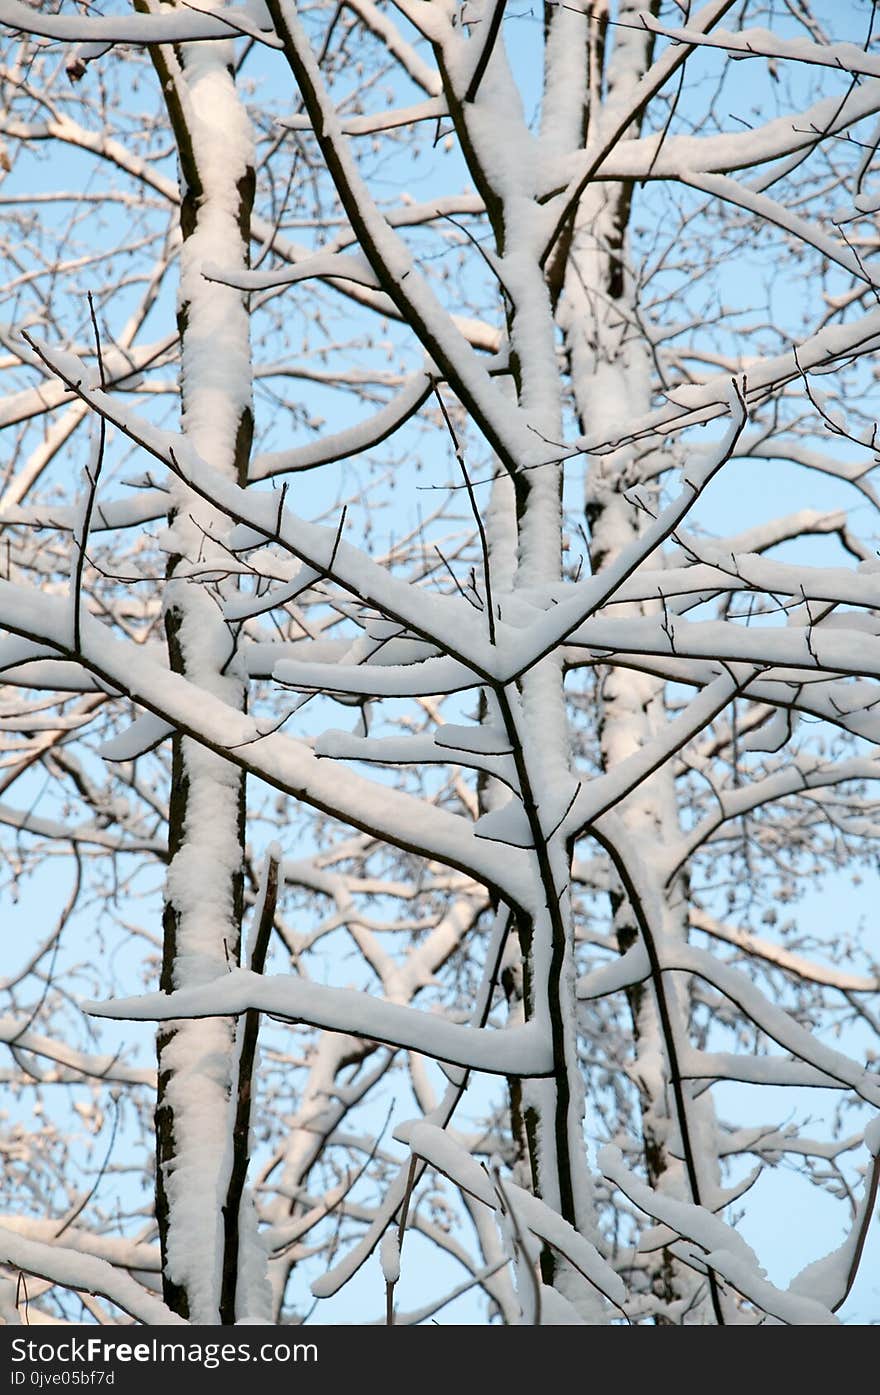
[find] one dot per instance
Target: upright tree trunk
(201, 1257)
(611, 374)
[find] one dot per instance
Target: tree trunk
(611, 373)
(204, 893)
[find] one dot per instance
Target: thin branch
(488, 44)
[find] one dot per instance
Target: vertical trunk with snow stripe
(611, 373)
(204, 892)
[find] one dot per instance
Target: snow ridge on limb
(392, 262)
(514, 1051)
(74, 1270)
(283, 762)
(718, 1247)
(399, 1189)
(165, 26)
(829, 1280)
(318, 546)
(437, 1147)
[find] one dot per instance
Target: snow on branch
(718, 1246)
(83, 1273)
(516, 1051)
(186, 25)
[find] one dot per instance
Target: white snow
(389, 1256)
(516, 1051)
